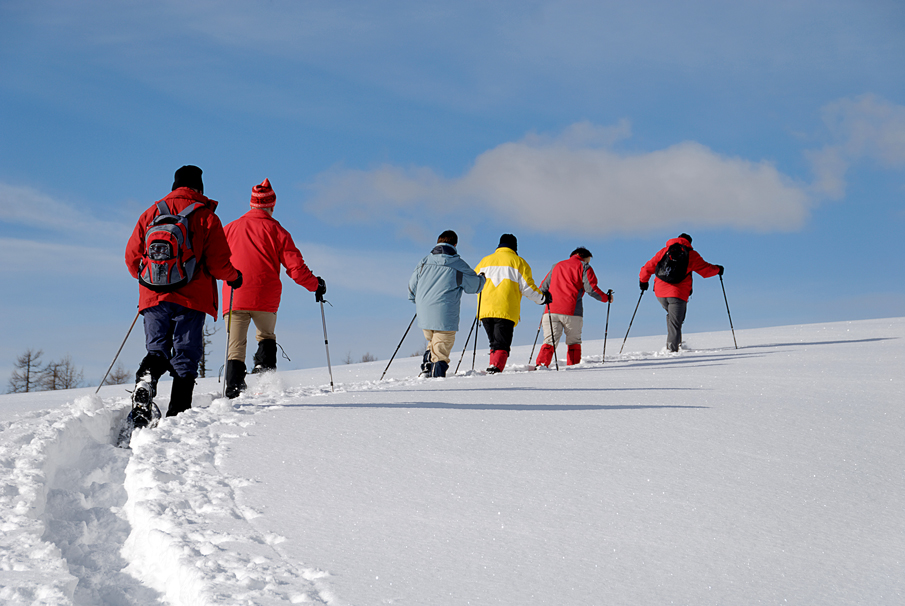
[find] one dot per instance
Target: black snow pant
(675, 317)
(499, 333)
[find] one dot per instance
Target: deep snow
(764, 475)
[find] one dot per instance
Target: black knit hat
(188, 176)
(509, 241)
(686, 236)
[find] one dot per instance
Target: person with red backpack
(260, 246)
(567, 282)
(177, 251)
(673, 266)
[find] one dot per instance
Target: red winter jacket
(682, 290)
(207, 237)
(567, 283)
(260, 245)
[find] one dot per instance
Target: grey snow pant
(675, 317)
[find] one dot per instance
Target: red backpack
(168, 261)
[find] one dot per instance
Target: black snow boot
(266, 356)
(181, 395)
(439, 369)
(235, 378)
(149, 372)
(426, 364)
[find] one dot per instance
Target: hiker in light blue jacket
(436, 288)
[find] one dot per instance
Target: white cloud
(26, 206)
(867, 127)
(576, 183)
(46, 259)
(384, 273)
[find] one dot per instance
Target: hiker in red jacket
(260, 245)
(174, 319)
(674, 291)
(567, 282)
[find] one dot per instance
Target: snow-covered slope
(768, 474)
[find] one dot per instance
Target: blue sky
(773, 132)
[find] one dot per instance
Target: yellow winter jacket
(508, 279)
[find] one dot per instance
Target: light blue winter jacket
(436, 288)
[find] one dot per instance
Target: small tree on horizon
(208, 332)
(118, 376)
(61, 375)
(27, 375)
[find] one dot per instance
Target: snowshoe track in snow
(86, 523)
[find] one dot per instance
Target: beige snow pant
(440, 344)
(571, 325)
(265, 325)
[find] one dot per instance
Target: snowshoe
(144, 413)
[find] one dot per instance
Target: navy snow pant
(175, 332)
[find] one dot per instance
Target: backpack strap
(163, 209)
(185, 214)
(190, 209)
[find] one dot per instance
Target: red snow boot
(498, 359)
(544, 356)
(574, 354)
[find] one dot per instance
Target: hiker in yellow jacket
(508, 280)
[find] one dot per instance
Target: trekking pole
(474, 356)
(229, 324)
(129, 332)
(398, 346)
(464, 349)
(606, 328)
(630, 323)
(728, 312)
(326, 343)
(552, 336)
(539, 326)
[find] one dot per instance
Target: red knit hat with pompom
(263, 196)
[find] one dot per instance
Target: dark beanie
(509, 241)
(686, 236)
(188, 176)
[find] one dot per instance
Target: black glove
(321, 290)
(721, 269)
(548, 298)
(644, 286)
(234, 284)
(609, 293)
